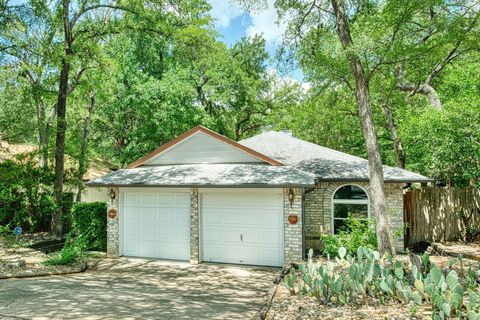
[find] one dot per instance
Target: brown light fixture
(291, 196)
(112, 194)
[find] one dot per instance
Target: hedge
(90, 220)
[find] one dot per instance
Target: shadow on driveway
(130, 288)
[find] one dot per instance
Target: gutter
(198, 185)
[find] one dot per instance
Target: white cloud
(264, 22)
(280, 81)
(224, 11)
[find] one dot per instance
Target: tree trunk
(397, 143)
(57, 217)
(42, 131)
(57, 222)
(84, 145)
(383, 228)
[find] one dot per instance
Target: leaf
(384, 286)
(419, 286)
(436, 275)
(452, 279)
(456, 301)
(446, 308)
(414, 272)
(342, 252)
(417, 298)
(399, 273)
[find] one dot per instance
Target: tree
(362, 96)
(31, 52)
(84, 24)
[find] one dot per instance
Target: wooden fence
(432, 213)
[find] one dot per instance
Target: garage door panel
(156, 224)
(243, 227)
(164, 233)
(131, 247)
(148, 215)
(164, 215)
(272, 237)
(132, 215)
(148, 232)
(131, 199)
(271, 219)
(182, 216)
(182, 200)
(181, 234)
(148, 198)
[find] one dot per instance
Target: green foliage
(355, 234)
(72, 252)
(26, 195)
(354, 280)
(444, 149)
(90, 221)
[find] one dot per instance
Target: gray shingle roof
(327, 164)
(207, 175)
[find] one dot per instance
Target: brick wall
(112, 226)
(194, 227)
(318, 210)
(292, 232)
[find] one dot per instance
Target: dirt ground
(18, 260)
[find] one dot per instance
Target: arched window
(349, 199)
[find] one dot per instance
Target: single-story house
(259, 201)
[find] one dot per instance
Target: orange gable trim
(211, 133)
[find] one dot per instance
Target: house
(260, 201)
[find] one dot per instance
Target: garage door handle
(241, 237)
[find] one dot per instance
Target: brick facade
(293, 250)
(319, 210)
(194, 227)
(113, 241)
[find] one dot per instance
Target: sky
(232, 22)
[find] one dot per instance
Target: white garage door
(156, 224)
(242, 226)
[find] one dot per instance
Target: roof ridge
(304, 141)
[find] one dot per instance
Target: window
(351, 200)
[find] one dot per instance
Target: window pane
(350, 192)
(341, 210)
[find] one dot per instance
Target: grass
(72, 252)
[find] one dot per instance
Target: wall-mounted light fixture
(291, 196)
(112, 194)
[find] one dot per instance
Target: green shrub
(26, 195)
(90, 220)
(355, 234)
(72, 252)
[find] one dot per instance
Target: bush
(90, 221)
(72, 252)
(355, 234)
(26, 196)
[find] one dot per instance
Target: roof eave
(247, 185)
(367, 180)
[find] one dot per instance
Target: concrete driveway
(128, 288)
